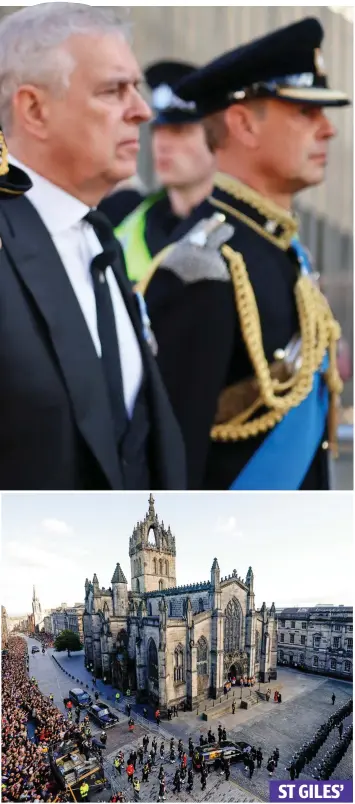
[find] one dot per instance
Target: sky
(299, 545)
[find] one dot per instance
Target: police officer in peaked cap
(247, 342)
(184, 166)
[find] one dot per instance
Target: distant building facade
(65, 618)
(175, 644)
(318, 638)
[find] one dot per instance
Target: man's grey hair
(31, 49)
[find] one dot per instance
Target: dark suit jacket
(54, 415)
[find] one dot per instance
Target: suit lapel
(36, 260)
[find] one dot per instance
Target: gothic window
(200, 605)
(166, 568)
(179, 663)
(315, 661)
(202, 657)
(232, 626)
(140, 566)
(303, 639)
(347, 667)
(336, 641)
(257, 646)
(304, 625)
(153, 670)
(301, 658)
(292, 639)
(150, 610)
(349, 642)
(154, 566)
(161, 571)
(161, 585)
(293, 624)
(138, 586)
(282, 637)
(333, 664)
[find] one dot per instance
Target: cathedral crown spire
(151, 509)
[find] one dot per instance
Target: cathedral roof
(118, 576)
(203, 586)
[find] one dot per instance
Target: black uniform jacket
(201, 348)
(54, 416)
(119, 204)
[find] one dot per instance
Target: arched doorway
(235, 672)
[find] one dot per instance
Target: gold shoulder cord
(319, 332)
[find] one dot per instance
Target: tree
(67, 640)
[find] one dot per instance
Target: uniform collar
(259, 213)
(59, 210)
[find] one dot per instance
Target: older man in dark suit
(82, 405)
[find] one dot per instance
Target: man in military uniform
(247, 343)
(184, 166)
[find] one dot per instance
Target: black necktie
(106, 323)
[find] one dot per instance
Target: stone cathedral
(175, 644)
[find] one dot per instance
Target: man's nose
(140, 108)
(327, 129)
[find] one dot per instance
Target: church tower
(152, 552)
(36, 609)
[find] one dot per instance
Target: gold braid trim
(319, 333)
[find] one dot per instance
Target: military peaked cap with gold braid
(13, 181)
(286, 64)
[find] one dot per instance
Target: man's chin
(124, 169)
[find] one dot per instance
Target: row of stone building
(319, 639)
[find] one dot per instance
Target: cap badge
(164, 99)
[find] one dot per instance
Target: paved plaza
(306, 704)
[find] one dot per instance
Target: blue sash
(284, 457)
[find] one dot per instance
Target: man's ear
(32, 109)
(244, 122)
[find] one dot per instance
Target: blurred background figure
(184, 168)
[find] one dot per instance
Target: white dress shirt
(77, 245)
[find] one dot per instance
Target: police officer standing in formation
(247, 343)
(82, 404)
(184, 166)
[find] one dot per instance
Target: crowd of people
(32, 727)
(308, 751)
(26, 774)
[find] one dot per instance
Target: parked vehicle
(102, 715)
(79, 697)
(34, 649)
